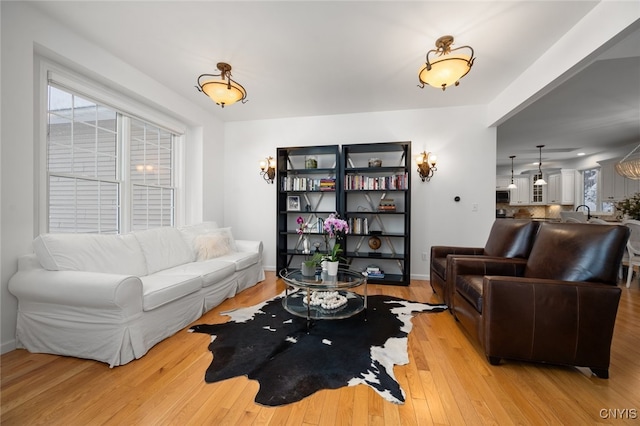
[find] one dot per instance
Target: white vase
(306, 245)
(332, 268)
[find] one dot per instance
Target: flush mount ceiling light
(540, 181)
(512, 185)
(629, 166)
(446, 67)
(223, 91)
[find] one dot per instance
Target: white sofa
(112, 297)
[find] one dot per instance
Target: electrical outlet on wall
(424, 256)
(474, 207)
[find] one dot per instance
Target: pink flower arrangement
(302, 226)
(333, 225)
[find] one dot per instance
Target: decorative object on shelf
(374, 243)
(448, 67)
(512, 185)
(630, 206)
(540, 180)
(224, 91)
(268, 169)
(311, 162)
(303, 230)
(375, 162)
(629, 166)
(387, 205)
(293, 203)
(426, 162)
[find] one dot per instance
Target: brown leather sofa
(558, 306)
(507, 238)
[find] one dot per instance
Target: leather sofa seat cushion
(470, 287)
(159, 289)
(511, 238)
(577, 252)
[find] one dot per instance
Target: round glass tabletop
(342, 280)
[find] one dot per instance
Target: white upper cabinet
(561, 187)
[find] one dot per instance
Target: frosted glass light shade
(446, 70)
(223, 92)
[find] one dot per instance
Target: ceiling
(307, 58)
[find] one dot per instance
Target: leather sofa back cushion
(511, 238)
(115, 254)
(577, 252)
(163, 248)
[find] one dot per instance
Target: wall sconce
(426, 162)
(268, 169)
(223, 91)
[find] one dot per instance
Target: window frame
(122, 103)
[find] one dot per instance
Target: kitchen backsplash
(544, 212)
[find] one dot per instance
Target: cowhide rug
(290, 361)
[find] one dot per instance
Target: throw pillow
(210, 246)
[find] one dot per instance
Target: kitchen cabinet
(561, 187)
(614, 186)
(503, 181)
(521, 195)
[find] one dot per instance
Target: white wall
(466, 168)
(23, 31)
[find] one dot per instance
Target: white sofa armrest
(78, 288)
(249, 246)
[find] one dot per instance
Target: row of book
(374, 272)
(369, 183)
(308, 184)
(358, 225)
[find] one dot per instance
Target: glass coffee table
(324, 296)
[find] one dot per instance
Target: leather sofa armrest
(443, 251)
(549, 320)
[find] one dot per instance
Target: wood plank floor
(447, 382)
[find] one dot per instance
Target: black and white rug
(266, 343)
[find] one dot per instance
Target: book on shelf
(374, 272)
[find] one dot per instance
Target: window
(590, 188)
(102, 163)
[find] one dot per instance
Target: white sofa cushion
(211, 271)
(210, 246)
(241, 259)
(158, 289)
(190, 232)
(117, 254)
(163, 248)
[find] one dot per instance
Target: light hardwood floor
(447, 381)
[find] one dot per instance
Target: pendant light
(512, 185)
(540, 181)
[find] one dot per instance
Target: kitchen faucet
(588, 210)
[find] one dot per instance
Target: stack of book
(327, 184)
(387, 204)
(374, 272)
